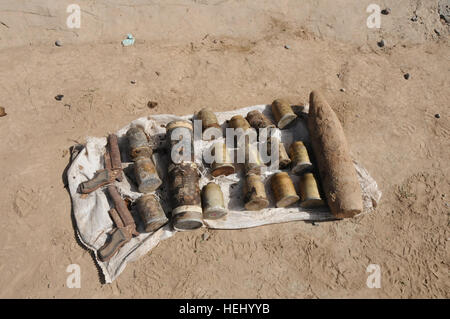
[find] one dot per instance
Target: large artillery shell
(171, 126)
(238, 121)
(151, 212)
(212, 202)
(253, 161)
(283, 113)
(336, 169)
(258, 120)
(223, 164)
(146, 176)
(138, 143)
(255, 193)
(185, 192)
(283, 189)
(309, 192)
(300, 158)
(209, 120)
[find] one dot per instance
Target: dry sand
(226, 55)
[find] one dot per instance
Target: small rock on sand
(152, 104)
(2, 111)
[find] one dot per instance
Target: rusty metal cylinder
(255, 197)
(283, 157)
(138, 143)
(238, 121)
(283, 189)
(180, 137)
(151, 212)
(283, 113)
(209, 120)
(258, 120)
(146, 175)
(253, 161)
(185, 194)
(300, 158)
(309, 192)
(212, 202)
(222, 164)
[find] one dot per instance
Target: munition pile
(149, 183)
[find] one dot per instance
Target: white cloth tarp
(91, 211)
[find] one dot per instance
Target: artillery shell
(138, 143)
(146, 176)
(209, 120)
(181, 135)
(223, 164)
(253, 161)
(300, 158)
(282, 112)
(309, 193)
(283, 156)
(212, 202)
(185, 192)
(151, 212)
(283, 189)
(255, 193)
(238, 121)
(258, 120)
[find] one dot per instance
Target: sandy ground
(226, 55)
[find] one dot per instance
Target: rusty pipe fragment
(222, 164)
(258, 120)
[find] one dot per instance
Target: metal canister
(255, 197)
(209, 120)
(253, 161)
(151, 212)
(174, 138)
(258, 120)
(185, 194)
(146, 175)
(283, 113)
(212, 202)
(309, 192)
(238, 121)
(138, 143)
(300, 158)
(222, 164)
(283, 189)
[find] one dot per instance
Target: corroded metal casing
(138, 143)
(185, 192)
(309, 192)
(283, 113)
(255, 197)
(258, 120)
(283, 189)
(209, 120)
(238, 121)
(146, 176)
(151, 212)
(300, 158)
(223, 164)
(213, 202)
(283, 156)
(175, 137)
(253, 161)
